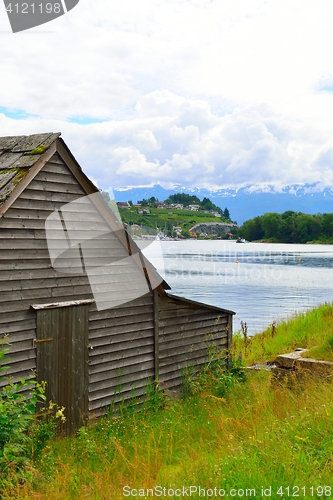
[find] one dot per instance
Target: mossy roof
(17, 155)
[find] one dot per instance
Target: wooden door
(62, 360)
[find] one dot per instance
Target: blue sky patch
(84, 120)
(15, 114)
(326, 88)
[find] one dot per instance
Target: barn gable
(90, 356)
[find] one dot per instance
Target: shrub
(23, 435)
(215, 379)
(17, 417)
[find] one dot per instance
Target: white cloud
(146, 140)
(199, 92)
(248, 146)
(133, 163)
(100, 58)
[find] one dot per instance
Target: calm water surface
(260, 282)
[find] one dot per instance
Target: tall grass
(231, 431)
(307, 330)
(258, 435)
(322, 351)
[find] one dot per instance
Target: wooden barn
(90, 355)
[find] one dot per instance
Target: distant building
(194, 207)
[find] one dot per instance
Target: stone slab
(289, 360)
(296, 361)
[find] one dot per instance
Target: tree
(252, 229)
(271, 223)
(308, 227)
(207, 204)
(226, 214)
(289, 227)
(327, 224)
(187, 199)
(183, 198)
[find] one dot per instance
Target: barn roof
(17, 155)
(197, 303)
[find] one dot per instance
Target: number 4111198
(34, 8)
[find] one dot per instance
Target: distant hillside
(173, 221)
(246, 202)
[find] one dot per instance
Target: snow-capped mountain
(248, 201)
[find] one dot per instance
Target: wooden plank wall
(186, 331)
(26, 275)
(122, 338)
(121, 361)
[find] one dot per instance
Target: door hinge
(35, 341)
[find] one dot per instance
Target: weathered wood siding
(121, 357)
(26, 275)
(121, 339)
(187, 331)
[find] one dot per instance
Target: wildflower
(51, 405)
(60, 414)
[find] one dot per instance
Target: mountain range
(246, 202)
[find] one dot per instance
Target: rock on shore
(214, 228)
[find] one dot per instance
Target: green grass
(229, 431)
(307, 330)
(323, 351)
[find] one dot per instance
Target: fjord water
(260, 282)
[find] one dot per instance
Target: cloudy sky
(205, 93)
